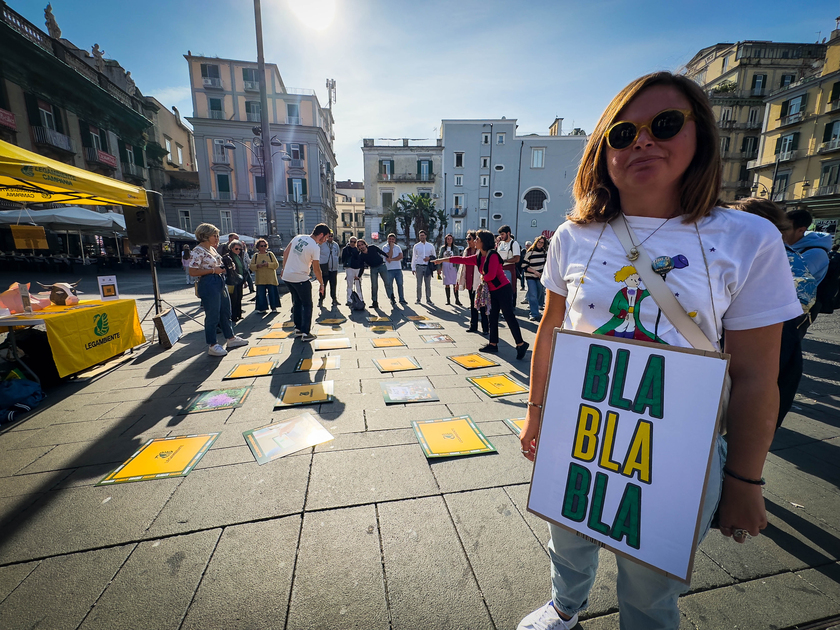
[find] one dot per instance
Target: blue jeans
(647, 600)
(267, 295)
(301, 304)
(395, 274)
(216, 304)
(375, 274)
(536, 296)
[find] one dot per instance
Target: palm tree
(398, 216)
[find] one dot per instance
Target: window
(485, 162)
(459, 160)
(216, 110)
(787, 79)
(95, 138)
(458, 201)
(219, 151)
(184, 220)
(360, 218)
(223, 185)
(386, 169)
(830, 175)
(292, 114)
(485, 180)
(499, 167)
(794, 106)
(725, 114)
(424, 193)
(724, 145)
(252, 111)
(346, 236)
(749, 145)
(786, 144)
(387, 199)
(753, 115)
(360, 234)
(459, 180)
(458, 229)
(296, 151)
(424, 170)
(346, 218)
(485, 138)
(262, 222)
(498, 194)
(180, 150)
(537, 158)
(168, 144)
(500, 138)
(251, 78)
(482, 223)
(45, 112)
(831, 135)
(724, 64)
(210, 71)
(535, 199)
(780, 185)
(296, 188)
(227, 222)
(482, 204)
(759, 81)
(259, 187)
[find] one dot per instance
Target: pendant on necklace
(633, 255)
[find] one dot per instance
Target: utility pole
(268, 167)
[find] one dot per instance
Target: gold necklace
(634, 253)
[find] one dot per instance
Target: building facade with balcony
(231, 194)
(737, 78)
(394, 168)
(61, 102)
(350, 206)
(494, 177)
(799, 155)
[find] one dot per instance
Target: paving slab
(14, 461)
(498, 409)
(227, 495)
(505, 467)
(156, 585)
(338, 422)
(29, 484)
(15, 436)
(368, 439)
(369, 474)
(64, 521)
(510, 564)
(12, 575)
(62, 590)
(338, 577)
(70, 410)
(817, 500)
(825, 578)
(67, 433)
(401, 416)
(611, 622)
(249, 578)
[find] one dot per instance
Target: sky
(401, 66)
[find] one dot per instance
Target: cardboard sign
(495, 385)
(329, 362)
(108, 289)
(625, 445)
(261, 351)
(161, 458)
(217, 399)
(396, 364)
(472, 361)
(249, 370)
(306, 394)
(416, 318)
(419, 390)
(29, 236)
(377, 318)
(428, 326)
(451, 437)
(331, 321)
(387, 342)
(283, 438)
(437, 339)
(339, 343)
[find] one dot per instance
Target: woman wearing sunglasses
(236, 270)
(265, 264)
(653, 162)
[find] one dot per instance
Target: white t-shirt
(302, 253)
(750, 276)
(508, 249)
(421, 250)
(394, 264)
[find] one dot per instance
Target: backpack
(356, 303)
(829, 287)
(18, 396)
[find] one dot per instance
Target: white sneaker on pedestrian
(299, 333)
(546, 618)
(216, 350)
(236, 342)
(308, 337)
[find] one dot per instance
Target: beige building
(350, 207)
(174, 171)
(737, 78)
(799, 154)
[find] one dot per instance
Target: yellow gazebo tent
(28, 178)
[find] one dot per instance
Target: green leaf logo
(27, 170)
(101, 324)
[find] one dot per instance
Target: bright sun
(316, 14)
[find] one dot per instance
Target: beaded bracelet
(533, 404)
(755, 482)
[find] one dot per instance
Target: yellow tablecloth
(91, 332)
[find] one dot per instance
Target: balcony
(252, 86)
(786, 156)
(458, 211)
(752, 164)
(726, 124)
(293, 163)
(221, 158)
(735, 95)
(252, 116)
(832, 106)
(831, 145)
(406, 177)
(791, 119)
(224, 195)
(301, 91)
(752, 124)
(737, 184)
(51, 138)
(783, 196)
(7, 119)
(217, 114)
(822, 191)
(212, 82)
(133, 171)
(259, 196)
(99, 157)
(741, 155)
(292, 120)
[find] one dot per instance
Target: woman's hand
(530, 430)
(741, 507)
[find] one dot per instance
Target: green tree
(398, 218)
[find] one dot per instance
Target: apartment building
(228, 153)
(394, 168)
(350, 207)
(798, 161)
(737, 78)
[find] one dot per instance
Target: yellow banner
(91, 332)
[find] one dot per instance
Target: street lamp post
(268, 169)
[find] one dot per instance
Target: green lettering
(628, 518)
(598, 494)
(597, 368)
(652, 389)
(617, 398)
(577, 489)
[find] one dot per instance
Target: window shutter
(392, 166)
(302, 152)
(778, 146)
(785, 106)
(139, 160)
(803, 103)
(303, 187)
(290, 187)
(84, 129)
(827, 132)
(835, 91)
(103, 138)
(32, 109)
(121, 150)
(418, 167)
(59, 123)
(795, 144)
(754, 81)
(381, 167)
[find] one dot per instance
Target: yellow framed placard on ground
(286, 325)
(495, 385)
(451, 437)
(332, 320)
(283, 438)
(339, 343)
(376, 318)
(396, 364)
(515, 424)
(261, 351)
(305, 394)
(277, 334)
(380, 328)
(437, 339)
(161, 458)
(472, 361)
(249, 370)
(328, 362)
(327, 331)
(387, 342)
(416, 318)
(428, 325)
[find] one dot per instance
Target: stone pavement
(363, 531)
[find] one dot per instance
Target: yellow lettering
(586, 433)
(605, 460)
(638, 457)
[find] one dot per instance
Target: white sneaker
(299, 333)
(236, 342)
(216, 350)
(546, 618)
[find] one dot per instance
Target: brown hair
(764, 208)
(537, 240)
(597, 198)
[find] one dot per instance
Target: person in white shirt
(423, 252)
(393, 264)
(510, 251)
(302, 253)
(329, 268)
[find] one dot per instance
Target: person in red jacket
(489, 265)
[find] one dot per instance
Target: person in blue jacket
(813, 247)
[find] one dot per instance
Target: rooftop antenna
(330, 92)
